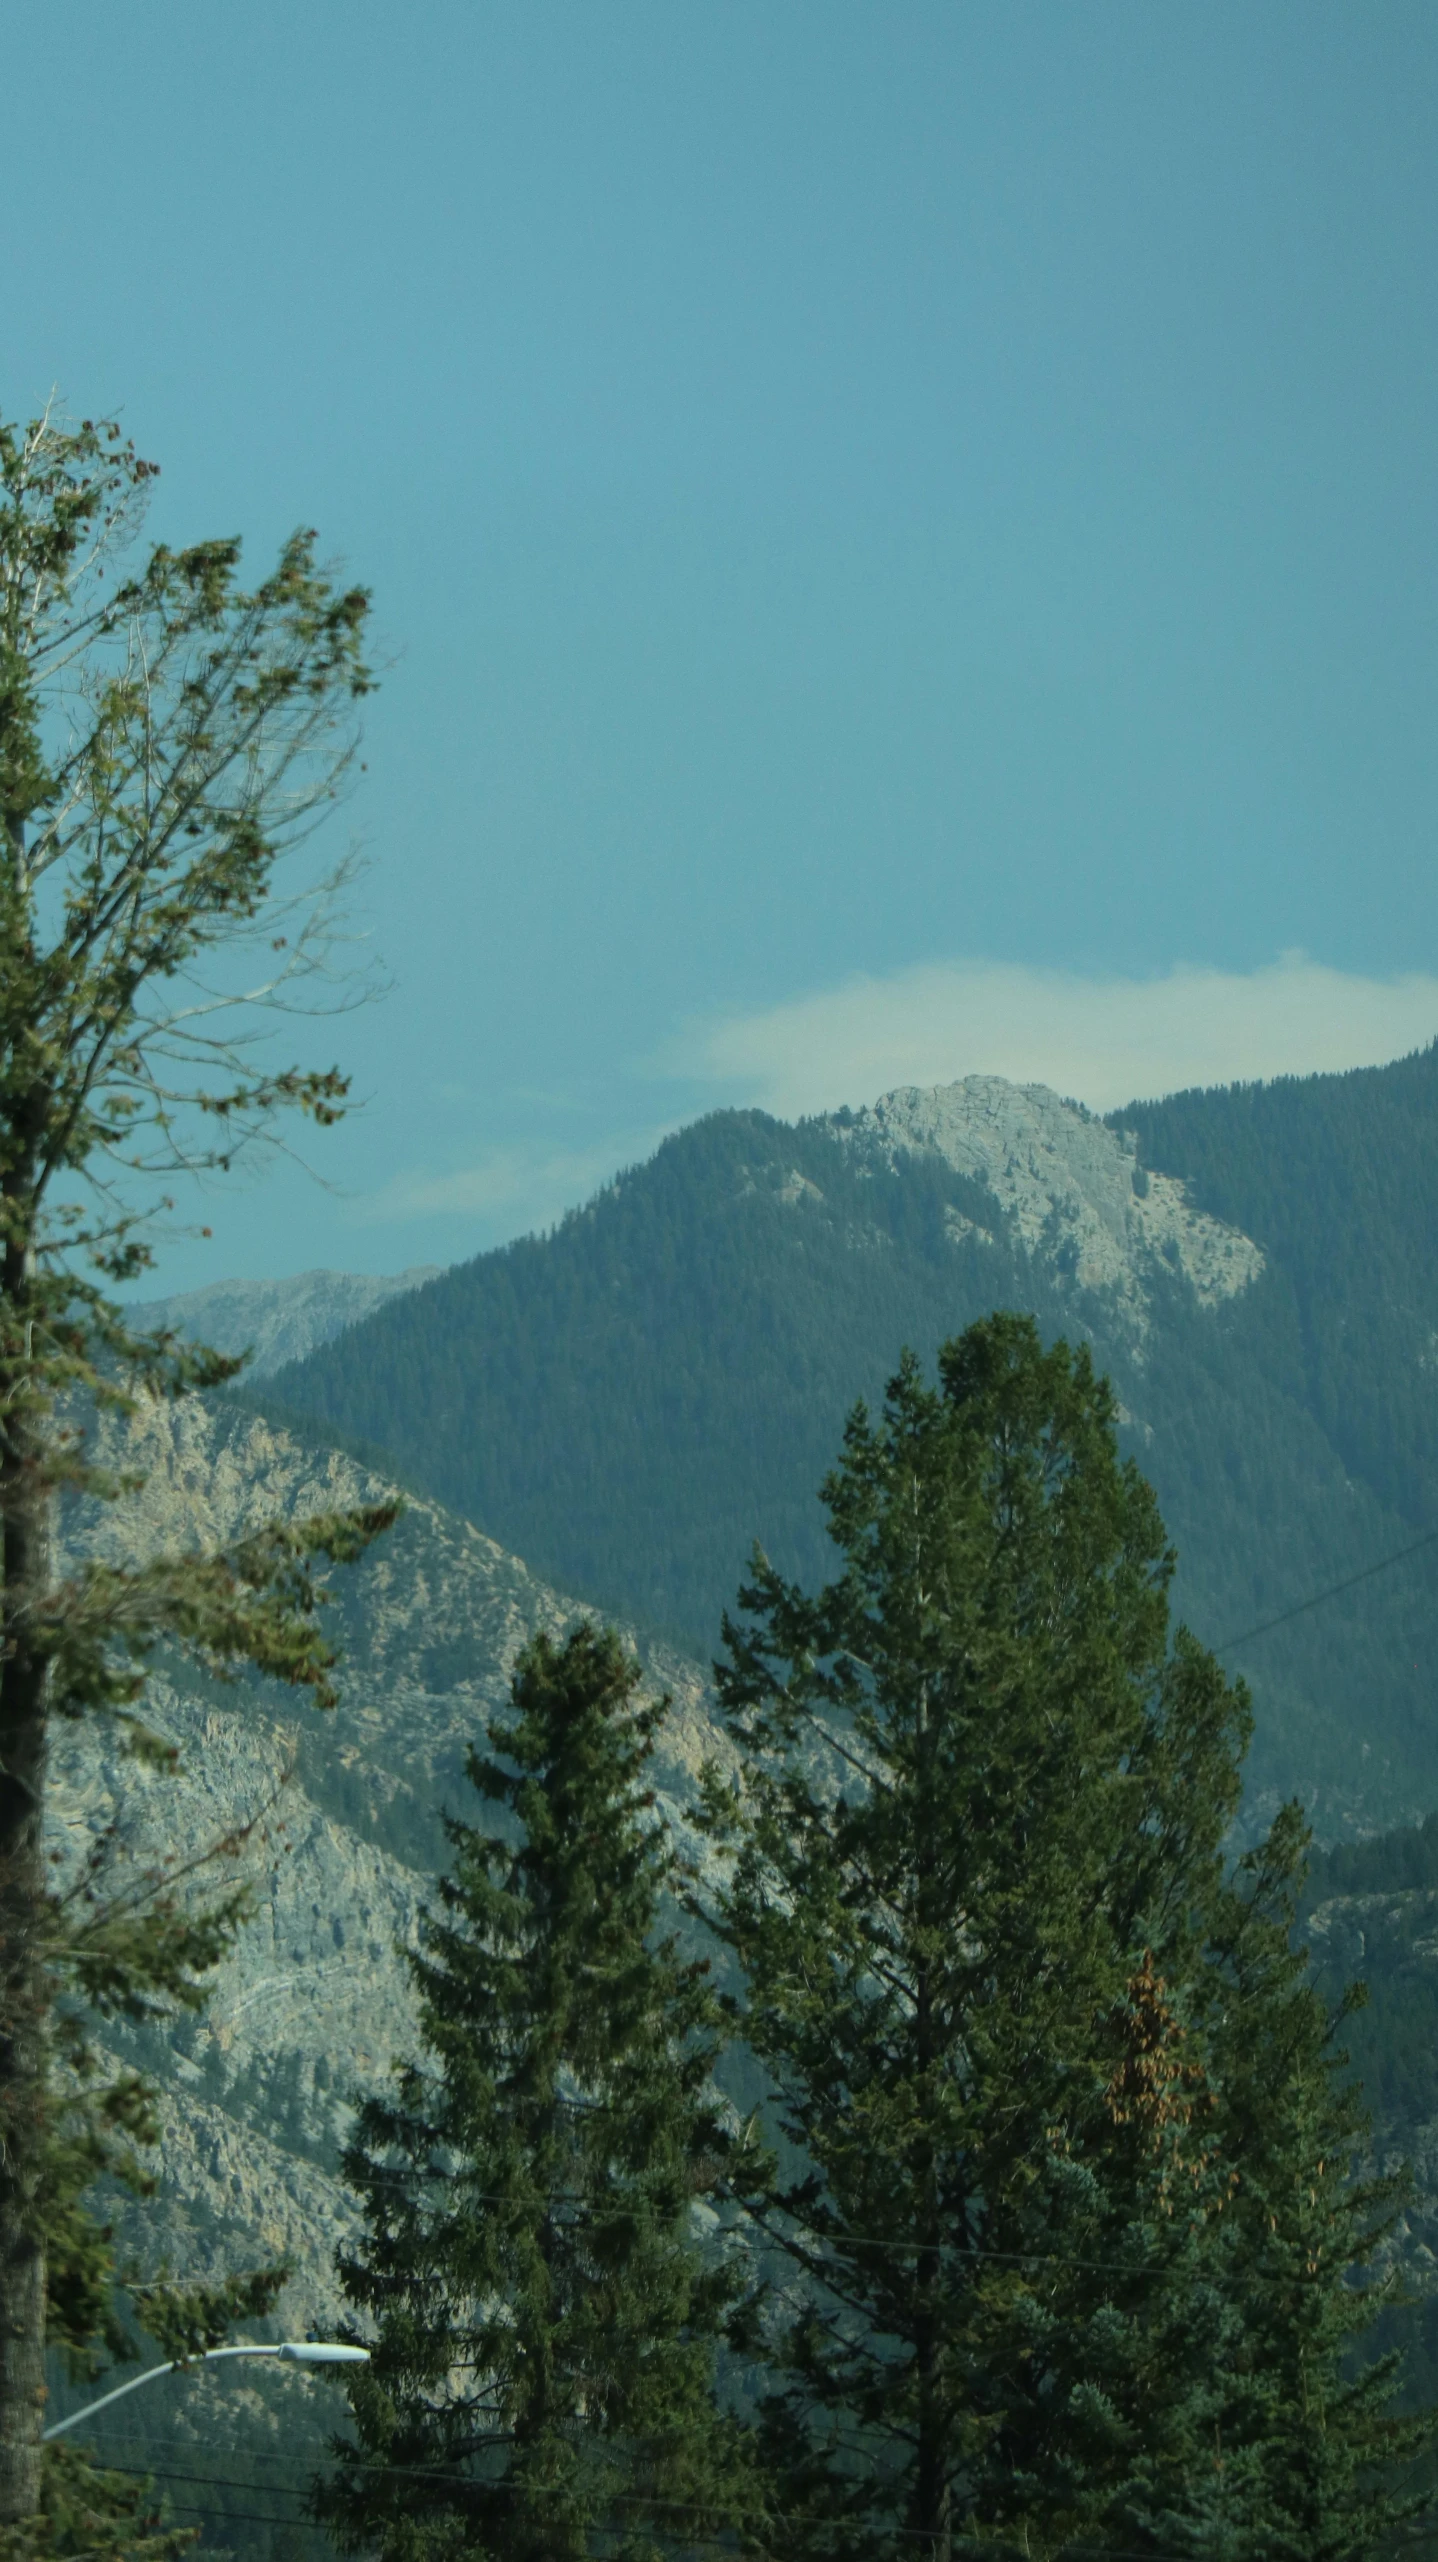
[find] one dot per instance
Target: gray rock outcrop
(1068, 1188)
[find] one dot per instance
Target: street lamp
(296, 2352)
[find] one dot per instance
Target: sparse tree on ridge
(1061, 2254)
(543, 2316)
(168, 741)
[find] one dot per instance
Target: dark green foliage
(546, 2322)
(91, 2513)
(1337, 1178)
(628, 1401)
(1371, 1908)
(168, 738)
(1069, 2224)
(1305, 2220)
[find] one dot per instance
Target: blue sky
(906, 534)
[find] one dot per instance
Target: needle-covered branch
(252, 1605)
(170, 739)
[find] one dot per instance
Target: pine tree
(545, 2319)
(1009, 2002)
(1306, 2413)
(168, 740)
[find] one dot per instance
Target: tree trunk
(931, 2514)
(25, 1505)
(930, 2517)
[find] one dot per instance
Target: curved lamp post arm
(294, 2352)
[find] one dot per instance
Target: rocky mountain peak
(1070, 1188)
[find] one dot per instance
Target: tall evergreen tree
(1044, 2069)
(168, 739)
(545, 2319)
(1306, 2208)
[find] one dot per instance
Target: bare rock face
(1069, 1189)
(279, 1321)
(330, 1820)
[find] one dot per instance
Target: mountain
(340, 1813)
(278, 1321)
(1337, 1177)
(657, 1351)
(630, 1401)
(334, 1820)
(1069, 1190)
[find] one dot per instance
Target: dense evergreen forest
(1337, 1178)
(630, 1401)
(1370, 1918)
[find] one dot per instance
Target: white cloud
(521, 1189)
(1106, 1040)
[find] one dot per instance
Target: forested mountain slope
(1371, 1918)
(1336, 1177)
(632, 1400)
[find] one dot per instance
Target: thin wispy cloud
(522, 1189)
(1106, 1041)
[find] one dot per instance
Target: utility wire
(1380, 1566)
(832, 2241)
(632, 2499)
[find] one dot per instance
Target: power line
(830, 2241)
(1380, 1566)
(238, 2517)
(632, 2499)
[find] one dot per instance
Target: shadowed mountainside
(632, 1400)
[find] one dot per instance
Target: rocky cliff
(1069, 1190)
(340, 1814)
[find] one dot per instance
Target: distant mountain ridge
(278, 1321)
(632, 1400)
